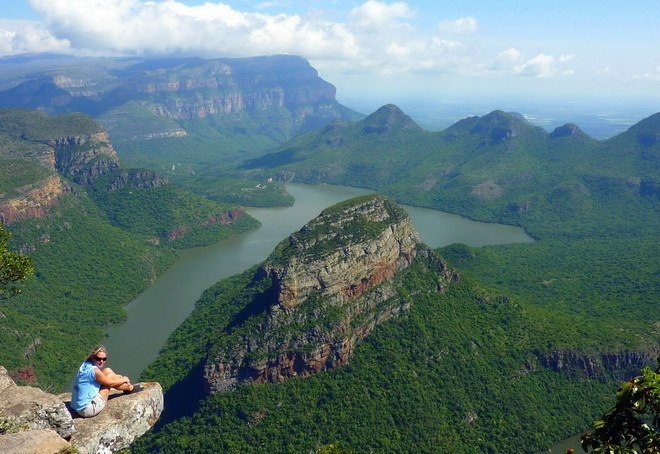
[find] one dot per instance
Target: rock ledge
(32, 420)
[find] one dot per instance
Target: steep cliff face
(195, 89)
(34, 421)
(329, 285)
(84, 158)
(606, 365)
(32, 201)
(281, 92)
(80, 158)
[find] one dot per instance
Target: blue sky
(562, 50)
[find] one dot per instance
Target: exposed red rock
(332, 284)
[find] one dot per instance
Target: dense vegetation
(199, 162)
(95, 249)
(427, 382)
(36, 126)
(86, 270)
(494, 168)
(457, 374)
(460, 372)
(633, 424)
(14, 266)
(176, 216)
(432, 382)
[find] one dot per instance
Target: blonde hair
(96, 350)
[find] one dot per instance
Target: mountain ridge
(174, 88)
(498, 166)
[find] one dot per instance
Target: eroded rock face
(613, 365)
(39, 422)
(33, 201)
(84, 158)
(81, 159)
(356, 265)
(41, 441)
(331, 284)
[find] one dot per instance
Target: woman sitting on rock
(93, 383)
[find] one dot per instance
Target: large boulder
(33, 421)
(31, 408)
(41, 441)
(125, 418)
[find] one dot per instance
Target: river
(161, 308)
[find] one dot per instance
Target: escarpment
(328, 286)
(32, 200)
(617, 366)
(84, 158)
(81, 159)
(145, 99)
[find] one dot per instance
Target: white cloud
(540, 66)
(25, 36)
(513, 62)
(377, 37)
(462, 26)
(378, 16)
(650, 76)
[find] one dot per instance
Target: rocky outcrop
(122, 421)
(330, 285)
(33, 200)
(84, 158)
(81, 159)
(140, 179)
(224, 218)
(39, 441)
(355, 265)
(32, 408)
(616, 366)
(33, 421)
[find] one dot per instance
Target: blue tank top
(85, 387)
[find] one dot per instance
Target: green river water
(155, 313)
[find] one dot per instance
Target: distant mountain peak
(386, 119)
(499, 125)
(567, 130)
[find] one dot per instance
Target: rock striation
(81, 159)
(85, 158)
(616, 366)
(328, 286)
(33, 200)
(33, 421)
(282, 93)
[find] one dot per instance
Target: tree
(632, 426)
(14, 267)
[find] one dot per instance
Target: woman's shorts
(94, 408)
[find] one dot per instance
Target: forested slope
(98, 234)
(527, 349)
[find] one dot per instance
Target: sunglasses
(101, 359)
